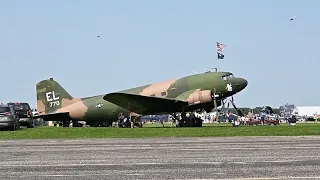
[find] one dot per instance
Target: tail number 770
(54, 103)
(52, 99)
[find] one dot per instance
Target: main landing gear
(129, 122)
(188, 120)
(74, 124)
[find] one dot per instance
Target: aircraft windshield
(228, 76)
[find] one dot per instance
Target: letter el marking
(54, 96)
(48, 97)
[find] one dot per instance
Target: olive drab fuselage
(197, 90)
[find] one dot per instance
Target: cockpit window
(228, 76)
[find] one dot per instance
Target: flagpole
(219, 52)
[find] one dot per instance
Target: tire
(66, 124)
(30, 124)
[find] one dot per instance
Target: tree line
(256, 110)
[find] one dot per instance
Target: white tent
(309, 111)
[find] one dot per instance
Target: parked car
(265, 122)
(252, 122)
(24, 113)
(8, 117)
(272, 121)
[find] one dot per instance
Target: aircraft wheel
(76, 124)
(198, 123)
(30, 125)
(66, 124)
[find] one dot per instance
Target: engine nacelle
(198, 97)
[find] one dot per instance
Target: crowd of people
(249, 119)
(196, 119)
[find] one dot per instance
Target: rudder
(50, 95)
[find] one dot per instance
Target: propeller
(214, 96)
(234, 106)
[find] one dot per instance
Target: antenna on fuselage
(216, 69)
(194, 71)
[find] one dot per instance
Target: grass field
(210, 130)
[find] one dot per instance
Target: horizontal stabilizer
(54, 116)
(146, 104)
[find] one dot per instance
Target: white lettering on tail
(52, 99)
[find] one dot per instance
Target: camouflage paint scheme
(187, 93)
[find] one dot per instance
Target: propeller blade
(213, 95)
(223, 104)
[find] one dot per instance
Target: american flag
(220, 46)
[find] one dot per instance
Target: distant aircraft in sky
(292, 18)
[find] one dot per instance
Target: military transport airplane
(184, 94)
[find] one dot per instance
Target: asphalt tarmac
(165, 158)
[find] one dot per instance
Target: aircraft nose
(241, 83)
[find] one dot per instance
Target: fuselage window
(226, 77)
(163, 93)
(153, 95)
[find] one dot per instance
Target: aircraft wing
(54, 116)
(145, 104)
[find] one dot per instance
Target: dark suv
(24, 113)
(8, 117)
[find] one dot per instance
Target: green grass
(158, 131)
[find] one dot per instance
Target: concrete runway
(165, 158)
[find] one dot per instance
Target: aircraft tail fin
(50, 96)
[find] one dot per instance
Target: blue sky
(152, 41)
